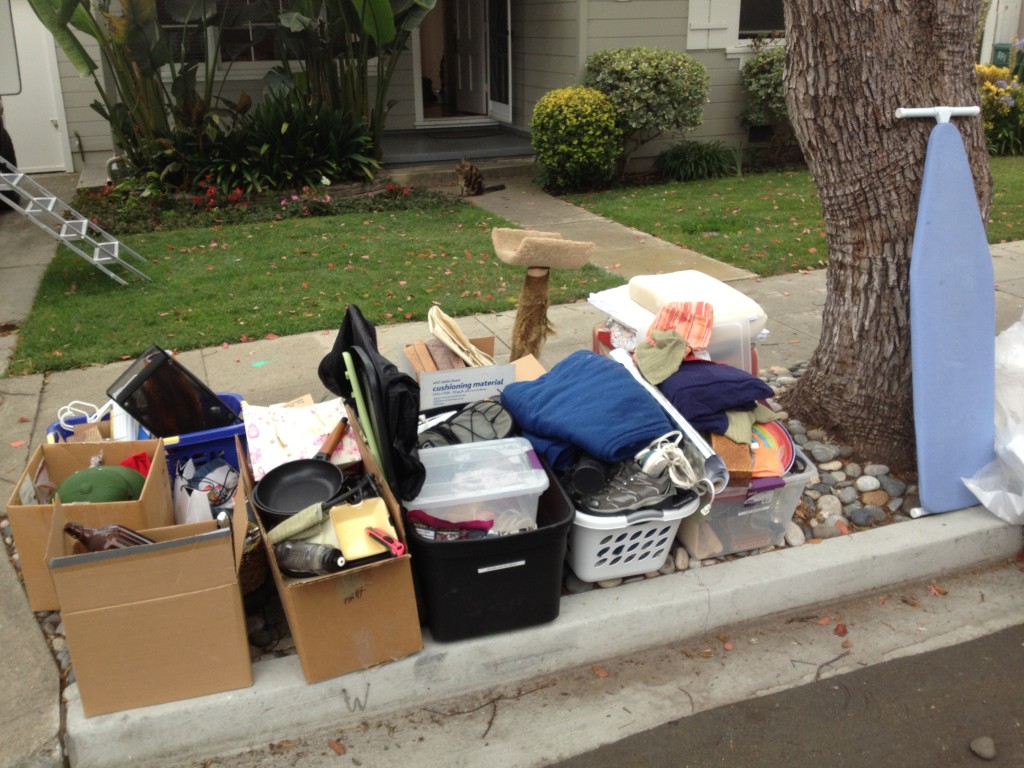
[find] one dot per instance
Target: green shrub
(576, 138)
(692, 160)
(654, 90)
(287, 143)
(762, 81)
(762, 78)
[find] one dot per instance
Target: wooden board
(952, 328)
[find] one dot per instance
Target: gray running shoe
(630, 488)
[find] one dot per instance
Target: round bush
(653, 89)
(762, 81)
(576, 138)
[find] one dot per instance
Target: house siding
(545, 52)
(551, 41)
(88, 133)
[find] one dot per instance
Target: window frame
(715, 25)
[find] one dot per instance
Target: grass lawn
(769, 223)
(243, 281)
(250, 281)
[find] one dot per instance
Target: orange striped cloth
(692, 320)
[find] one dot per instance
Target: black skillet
(295, 485)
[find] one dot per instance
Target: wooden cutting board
(952, 328)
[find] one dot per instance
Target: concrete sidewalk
(595, 626)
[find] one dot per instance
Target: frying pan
(295, 485)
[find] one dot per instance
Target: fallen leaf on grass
(337, 746)
(936, 590)
(600, 671)
(272, 337)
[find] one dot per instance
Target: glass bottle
(303, 558)
(113, 536)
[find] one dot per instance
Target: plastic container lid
(483, 471)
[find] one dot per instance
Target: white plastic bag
(999, 485)
(1009, 353)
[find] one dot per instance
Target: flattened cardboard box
(30, 521)
(358, 618)
(154, 623)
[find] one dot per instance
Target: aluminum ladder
(66, 225)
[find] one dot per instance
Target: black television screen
(167, 399)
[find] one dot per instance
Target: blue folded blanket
(587, 403)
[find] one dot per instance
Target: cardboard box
(358, 618)
(452, 387)
(153, 623)
(51, 464)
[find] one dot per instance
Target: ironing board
(952, 329)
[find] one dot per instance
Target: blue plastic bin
(201, 447)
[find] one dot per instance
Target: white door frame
(493, 115)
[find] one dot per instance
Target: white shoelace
(666, 452)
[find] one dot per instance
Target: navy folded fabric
(586, 402)
(702, 391)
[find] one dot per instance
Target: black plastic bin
(479, 587)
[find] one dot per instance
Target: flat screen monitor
(167, 399)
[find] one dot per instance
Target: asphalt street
(918, 712)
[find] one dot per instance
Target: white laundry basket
(630, 544)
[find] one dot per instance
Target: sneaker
(666, 455)
(628, 489)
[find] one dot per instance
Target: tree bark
(850, 64)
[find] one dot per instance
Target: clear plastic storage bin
(499, 480)
(748, 518)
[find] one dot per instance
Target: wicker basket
(253, 570)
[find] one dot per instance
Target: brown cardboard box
(154, 623)
(358, 618)
(30, 519)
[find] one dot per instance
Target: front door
(470, 57)
(499, 60)
(35, 116)
(463, 62)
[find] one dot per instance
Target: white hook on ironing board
(941, 114)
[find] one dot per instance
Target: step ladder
(66, 225)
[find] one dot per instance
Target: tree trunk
(850, 64)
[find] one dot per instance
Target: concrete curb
(596, 626)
